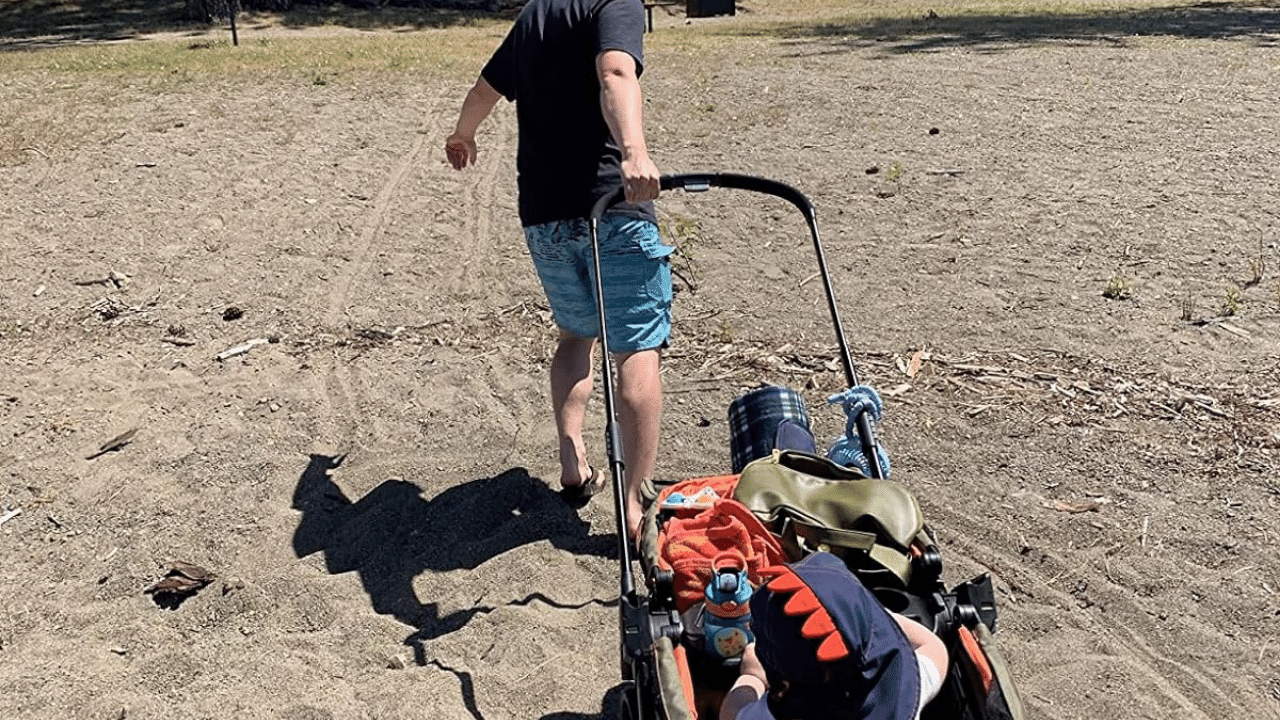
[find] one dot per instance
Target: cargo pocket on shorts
(652, 243)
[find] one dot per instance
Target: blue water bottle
(727, 616)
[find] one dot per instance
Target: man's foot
(581, 493)
(635, 520)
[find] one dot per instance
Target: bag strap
(801, 536)
(816, 465)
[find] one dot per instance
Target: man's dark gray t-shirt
(567, 157)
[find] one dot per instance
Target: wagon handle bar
(701, 182)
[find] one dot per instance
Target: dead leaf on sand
(182, 581)
(917, 361)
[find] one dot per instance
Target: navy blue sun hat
(821, 633)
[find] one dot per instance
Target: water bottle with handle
(727, 614)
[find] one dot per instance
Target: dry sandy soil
(1065, 214)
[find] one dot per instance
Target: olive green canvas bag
(814, 504)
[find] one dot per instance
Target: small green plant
(1119, 288)
(1257, 269)
(685, 233)
(892, 174)
(725, 334)
(706, 107)
(1232, 301)
(9, 327)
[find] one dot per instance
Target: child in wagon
(826, 649)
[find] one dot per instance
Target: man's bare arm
(623, 108)
(461, 146)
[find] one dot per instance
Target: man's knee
(567, 337)
(641, 360)
(639, 382)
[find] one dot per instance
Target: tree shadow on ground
(393, 534)
(1254, 22)
(36, 24)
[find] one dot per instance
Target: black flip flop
(579, 495)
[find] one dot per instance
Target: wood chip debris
(1077, 506)
(897, 390)
(113, 444)
(118, 279)
(917, 361)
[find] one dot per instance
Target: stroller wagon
(804, 502)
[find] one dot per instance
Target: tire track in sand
(338, 392)
(1167, 680)
(475, 238)
(376, 221)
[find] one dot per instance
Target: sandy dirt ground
(1054, 243)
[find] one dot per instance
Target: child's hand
(751, 664)
(748, 688)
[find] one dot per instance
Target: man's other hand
(461, 151)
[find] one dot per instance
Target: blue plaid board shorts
(637, 279)
(754, 420)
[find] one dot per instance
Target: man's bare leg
(571, 370)
(640, 415)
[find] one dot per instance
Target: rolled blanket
(762, 419)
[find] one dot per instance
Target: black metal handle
(701, 182)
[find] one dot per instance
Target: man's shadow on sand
(610, 708)
(393, 534)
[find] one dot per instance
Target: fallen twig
(240, 349)
(10, 515)
(1074, 507)
(114, 443)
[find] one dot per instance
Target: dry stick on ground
(1071, 571)
(10, 515)
(114, 443)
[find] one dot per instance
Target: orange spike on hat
(833, 648)
(803, 602)
(818, 624)
(786, 582)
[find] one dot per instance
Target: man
(572, 67)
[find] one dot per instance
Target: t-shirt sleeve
(930, 681)
(620, 26)
(758, 710)
(500, 71)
